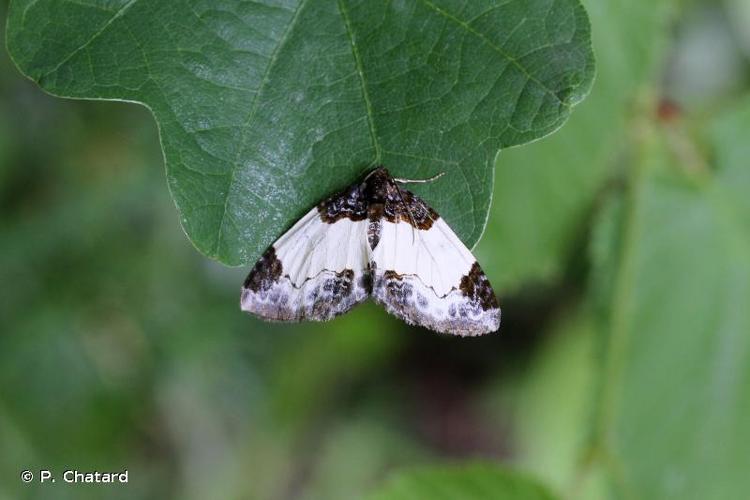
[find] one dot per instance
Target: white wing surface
(425, 275)
(316, 270)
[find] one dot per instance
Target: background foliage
(620, 247)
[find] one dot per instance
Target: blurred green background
(619, 246)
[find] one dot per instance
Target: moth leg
(411, 216)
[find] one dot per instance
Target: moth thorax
(377, 185)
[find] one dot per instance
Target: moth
(374, 239)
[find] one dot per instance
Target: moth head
(377, 184)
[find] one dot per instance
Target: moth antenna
(370, 174)
(419, 181)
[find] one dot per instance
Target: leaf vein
(513, 60)
(251, 116)
(96, 35)
(360, 72)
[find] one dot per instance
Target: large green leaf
(266, 107)
(478, 482)
(544, 192)
(673, 277)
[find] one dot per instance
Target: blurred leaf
(739, 16)
(359, 450)
(551, 404)
(264, 109)
(544, 191)
(477, 482)
(705, 63)
(673, 265)
(325, 361)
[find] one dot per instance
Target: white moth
(374, 239)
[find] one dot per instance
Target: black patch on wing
(398, 290)
(265, 272)
(477, 288)
(332, 295)
(402, 205)
(350, 204)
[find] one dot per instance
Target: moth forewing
(315, 271)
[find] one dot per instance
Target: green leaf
(553, 400)
(477, 482)
(673, 279)
(266, 108)
(545, 191)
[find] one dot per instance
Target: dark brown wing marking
(402, 205)
(265, 273)
(350, 204)
(476, 287)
